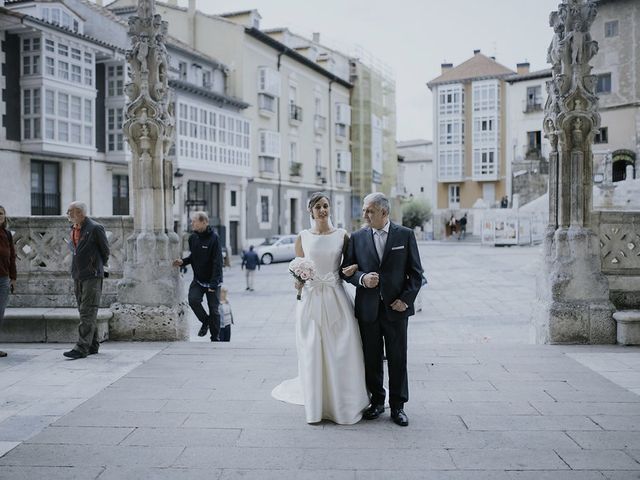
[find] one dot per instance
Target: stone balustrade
(44, 260)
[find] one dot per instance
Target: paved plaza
(484, 402)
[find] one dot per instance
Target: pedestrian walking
(452, 224)
(206, 261)
(7, 265)
(90, 254)
(226, 316)
(251, 261)
(463, 227)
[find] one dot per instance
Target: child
(226, 317)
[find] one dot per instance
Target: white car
(279, 248)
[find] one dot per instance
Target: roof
(217, 97)
(11, 2)
(240, 12)
(477, 67)
(22, 17)
(521, 77)
(413, 143)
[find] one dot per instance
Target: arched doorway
(620, 160)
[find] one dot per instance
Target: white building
(299, 112)
(415, 171)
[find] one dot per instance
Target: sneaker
(93, 350)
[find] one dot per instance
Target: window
(450, 163)
(45, 188)
(268, 81)
(266, 102)
(234, 200)
(603, 84)
(534, 143)
(63, 70)
(450, 100)
(31, 119)
(451, 132)
(611, 29)
(50, 66)
(454, 196)
(484, 163)
(115, 139)
(602, 136)
(182, 68)
(120, 194)
(204, 196)
(534, 99)
(63, 105)
(115, 80)
(486, 96)
(264, 209)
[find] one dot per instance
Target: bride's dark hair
(315, 198)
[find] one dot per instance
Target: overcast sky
(414, 37)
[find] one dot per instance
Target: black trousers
(392, 334)
(212, 319)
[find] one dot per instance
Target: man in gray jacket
(90, 250)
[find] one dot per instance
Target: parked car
(279, 248)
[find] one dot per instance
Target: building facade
(299, 112)
(72, 97)
(469, 134)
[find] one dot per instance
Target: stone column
(151, 305)
(573, 294)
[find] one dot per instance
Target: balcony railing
(295, 113)
(319, 123)
(532, 107)
(267, 165)
(295, 169)
(45, 204)
(321, 174)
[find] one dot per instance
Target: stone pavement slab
(484, 404)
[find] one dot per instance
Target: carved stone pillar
(573, 293)
(151, 305)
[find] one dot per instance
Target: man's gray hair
(200, 216)
(79, 206)
(378, 199)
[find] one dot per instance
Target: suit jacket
(400, 272)
(92, 252)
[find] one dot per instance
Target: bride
(331, 382)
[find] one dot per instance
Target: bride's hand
(298, 285)
(350, 270)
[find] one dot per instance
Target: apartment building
(415, 171)
(299, 111)
(469, 116)
(72, 105)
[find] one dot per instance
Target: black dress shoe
(93, 351)
(373, 412)
(74, 354)
(399, 417)
(203, 330)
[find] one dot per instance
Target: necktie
(379, 241)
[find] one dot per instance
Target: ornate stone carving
(574, 302)
(150, 292)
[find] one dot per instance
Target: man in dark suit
(387, 282)
(90, 250)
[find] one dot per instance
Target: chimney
(522, 68)
(191, 15)
(173, 3)
(446, 66)
(192, 7)
(316, 37)
(475, 52)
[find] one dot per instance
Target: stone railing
(619, 236)
(44, 260)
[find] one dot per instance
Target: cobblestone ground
(484, 402)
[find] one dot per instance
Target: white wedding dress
(330, 383)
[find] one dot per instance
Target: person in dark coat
(251, 261)
(387, 281)
(7, 265)
(206, 261)
(90, 248)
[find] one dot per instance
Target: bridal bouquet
(302, 270)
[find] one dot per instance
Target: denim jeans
(4, 295)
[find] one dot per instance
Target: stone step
(48, 325)
(628, 331)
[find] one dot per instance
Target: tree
(415, 213)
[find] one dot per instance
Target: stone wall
(44, 260)
(619, 236)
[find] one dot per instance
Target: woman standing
(331, 382)
(7, 265)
